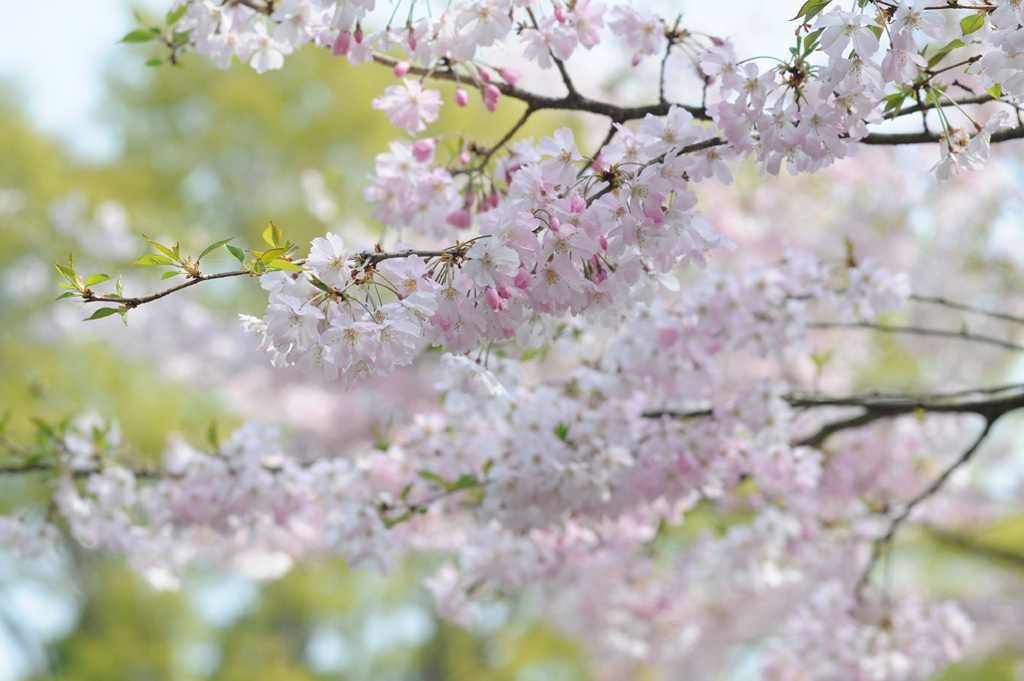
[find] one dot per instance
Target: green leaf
(810, 9)
(68, 273)
(120, 288)
(64, 284)
(168, 275)
(972, 23)
(101, 313)
(237, 252)
(321, 285)
(172, 254)
(273, 234)
(561, 431)
(172, 17)
(529, 354)
(996, 90)
(153, 259)
(943, 51)
(69, 294)
(154, 62)
(279, 264)
(466, 481)
(272, 254)
(212, 247)
(433, 477)
(96, 279)
(139, 36)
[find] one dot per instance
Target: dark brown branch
(571, 102)
(899, 138)
(142, 300)
(929, 105)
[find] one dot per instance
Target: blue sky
(55, 51)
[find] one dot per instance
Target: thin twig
(935, 486)
(954, 305)
(963, 334)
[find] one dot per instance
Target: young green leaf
(212, 247)
(101, 313)
(153, 259)
(68, 273)
(138, 36)
(811, 8)
(272, 254)
(273, 235)
(69, 294)
(96, 279)
(237, 252)
(154, 62)
(972, 23)
(172, 254)
(168, 275)
(279, 264)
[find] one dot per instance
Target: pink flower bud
(402, 68)
(485, 75)
(577, 203)
(637, 58)
(412, 41)
(560, 14)
(423, 150)
(505, 292)
(493, 299)
(554, 224)
(342, 44)
(460, 219)
(522, 279)
(511, 75)
(491, 94)
(492, 199)
(464, 157)
(718, 42)
(358, 35)
(603, 240)
(461, 97)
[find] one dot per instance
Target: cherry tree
(608, 377)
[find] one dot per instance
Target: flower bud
(554, 224)
(505, 292)
(560, 14)
(461, 97)
(522, 279)
(511, 75)
(460, 219)
(402, 68)
(423, 150)
(493, 299)
(342, 44)
(485, 75)
(577, 203)
(491, 94)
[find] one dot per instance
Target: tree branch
(934, 487)
(954, 305)
(963, 334)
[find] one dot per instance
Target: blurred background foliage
(209, 154)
